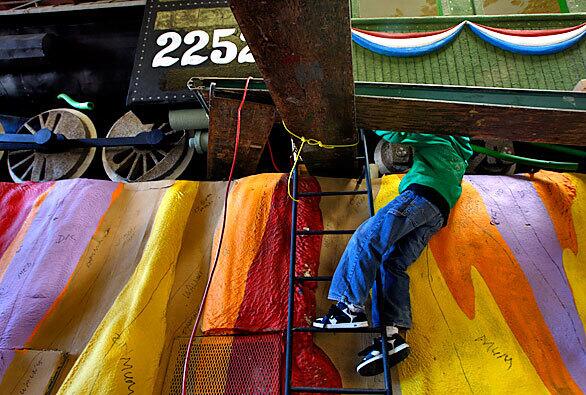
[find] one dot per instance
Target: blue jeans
(391, 240)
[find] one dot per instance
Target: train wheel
(31, 165)
(392, 158)
(129, 164)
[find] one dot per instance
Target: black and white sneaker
(372, 361)
(340, 316)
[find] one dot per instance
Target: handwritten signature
(493, 349)
(128, 375)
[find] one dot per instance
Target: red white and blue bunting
(524, 42)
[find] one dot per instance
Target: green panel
(395, 8)
(508, 7)
(564, 6)
(413, 8)
(354, 9)
(478, 7)
(440, 7)
(457, 7)
(469, 60)
(576, 5)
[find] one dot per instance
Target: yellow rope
(297, 155)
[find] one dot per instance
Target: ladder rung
(339, 390)
(309, 232)
(315, 278)
(341, 330)
(332, 193)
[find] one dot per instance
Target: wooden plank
(422, 110)
(256, 125)
(303, 50)
(476, 120)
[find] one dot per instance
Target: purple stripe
(520, 216)
(52, 246)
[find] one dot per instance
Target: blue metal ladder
(295, 280)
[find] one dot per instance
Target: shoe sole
(351, 325)
(374, 366)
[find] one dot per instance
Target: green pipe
(88, 105)
(545, 164)
(562, 149)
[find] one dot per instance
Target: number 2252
(199, 39)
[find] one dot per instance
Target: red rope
(273, 158)
(207, 288)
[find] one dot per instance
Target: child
(392, 240)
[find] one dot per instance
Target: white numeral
(188, 57)
(223, 52)
(245, 56)
(174, 41)
(217, 56)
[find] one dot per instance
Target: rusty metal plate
(303, 50)
(256, 124)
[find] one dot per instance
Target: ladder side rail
(291, 297)
(367, 174)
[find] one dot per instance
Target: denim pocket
(400, 211)
(403, 204)
(415, 212)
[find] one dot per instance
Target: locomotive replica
(166, 69)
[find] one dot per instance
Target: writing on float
(493, 349)
(128, 375)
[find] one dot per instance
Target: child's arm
(403, 138)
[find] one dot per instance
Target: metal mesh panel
(227, 365)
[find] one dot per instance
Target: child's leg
(355, 274)
(396, 304)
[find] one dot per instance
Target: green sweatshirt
(439, 162)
